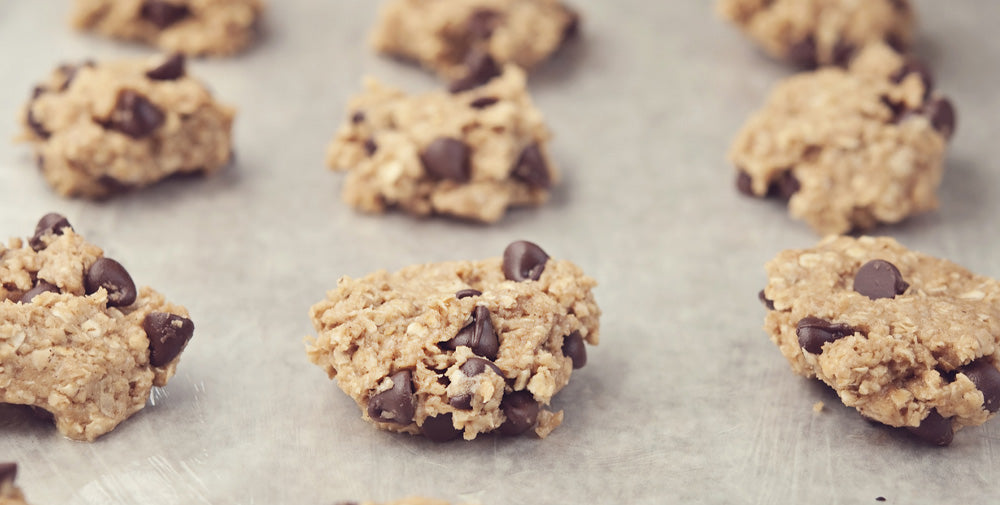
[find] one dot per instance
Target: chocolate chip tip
(524, 261)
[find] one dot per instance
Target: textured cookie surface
(470, 154)
(907, 339)
(459, 348)
(77, 339)
(849, 149)
(446, 35)
(821, 32)
(103, 128)
(193, 27)
(9, 493)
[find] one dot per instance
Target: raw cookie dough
(459, 348)
(849, 149)
(907, 339)
(193, 27)
(452, 36)
(470, 154)
(821, 32)
(9, 493)
(103, 128)
(77, 339)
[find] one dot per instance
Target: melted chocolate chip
(843, 53)
(784, 186)
(163, 14)
(447, 158)
(573, 347)
(523, 261)
(763, 299)
(896, 42)
(987, 380)
(483, 102)
(440, 428)
(109, 274)
(50, 223)
(170, 70)
(803, 53)
(358, 117)
(465, 293)
(934, 429)
(395, 405)
(744, 183)
(40, 287)
(481, 23)
(916, 67)
(168, 334)
(479, 335)
(370, 146)
(879, 279)
(813, 332)
(134, 115)
(480, 67)
(531, 168)
(8, 472)
(475, 366)
(521, 411)
(942, 116)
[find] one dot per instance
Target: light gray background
(684, 401)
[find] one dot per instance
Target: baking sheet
(684, 401)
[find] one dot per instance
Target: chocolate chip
(803, 53)
(481, 23)
(475, 366)
(109, 274)
(744, 183)
(168, 334)
(479, 335)
(942, 116)
(843, 53)
(763, 299)
(50, 223)
(880, 498)
(40, 287)
(896, 42)
(163, 14)
(170, 70)
(879, 279)
(574, 347)
(358, 117)
(465, 293)
(572, 28)
(447, 158)
(531, 168)
(480, 67)
(521, 411)
(134, 115)
(813, 332)
(8, 472)
(38, 91)
(35, 125)
(523, 261)
(916, 67)
(483, 102)
(934, 429)
(69, 73)
(440, 429)
(900, 5)
(461, 402)
(784, 186)
(370, 146)
(987, 379)
(395, 405)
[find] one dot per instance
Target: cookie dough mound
(907, 339)
(77, 339)
(809, 33)
(447, 35)
(192, 27)
(9, 493)
(459, 348)
(103, 128)
(470, 154)
(851, 148)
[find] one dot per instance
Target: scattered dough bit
(818, 407)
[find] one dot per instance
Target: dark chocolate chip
(395, 405)
(440, 428)
(942, 116)
(784, 186)
(480, 68)
(38, 91)
(574, 347)
(35, 125)
(896, 42)
(479, 335)
(40, 287)
(370, 146)
(880, 498)
(465, 293)
(8, 472)
(163, 14)
(934, 429)
(483, 102)
(900, 5)
(843, 53)
(879, 279)
(461, 402)
(475, 366)
(813, 332)
(521, 411)
(447, 158)
(134, 115)
(531, 168)
(987, 379)
(916, 67)
(803, 53)
(572, 28)
(898, 110)
(168, 334)
(69, 73)
(358, 117)
(170, 70)
(109, 274)
(481, 23)
(523, 261)
(763, 299)
(744, 183)
(50, 223)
